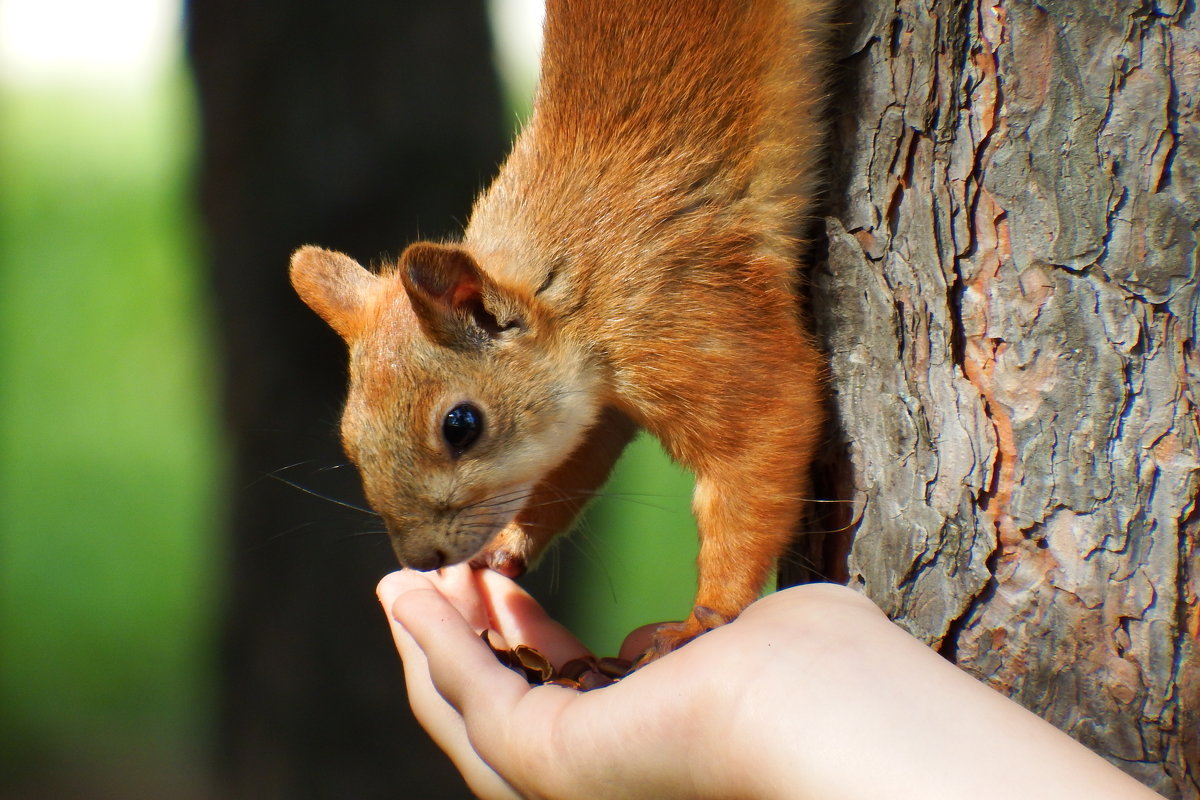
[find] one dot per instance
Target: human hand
(811, 692)
(696, 723)
(512, 740)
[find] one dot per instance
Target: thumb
(437, 715)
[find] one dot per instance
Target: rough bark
(1010, 306)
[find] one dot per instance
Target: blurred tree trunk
(1010, 305)
(357, 125)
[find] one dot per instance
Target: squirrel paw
(510, 553)
(671, 636)
(506, 562)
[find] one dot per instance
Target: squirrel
(634, 264)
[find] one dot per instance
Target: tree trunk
(360, 126)
(1010, 307)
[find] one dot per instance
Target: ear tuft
(333, 285)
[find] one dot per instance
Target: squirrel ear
(443, 278)
(454, 299)
(333, 285)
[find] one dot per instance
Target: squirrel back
(656, 123)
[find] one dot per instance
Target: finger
(521, 620)
(439, 719)
(462, 667)
(505, 718)
(465, 673)
(460, 585)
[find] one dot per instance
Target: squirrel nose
(426, 562)
(414, 552)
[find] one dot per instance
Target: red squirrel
(633, 265)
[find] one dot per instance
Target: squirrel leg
(557, 500)
(749, 501)
(744, 529)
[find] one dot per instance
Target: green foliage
(108, 444)
(639, 540)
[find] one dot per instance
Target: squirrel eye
(461, 427)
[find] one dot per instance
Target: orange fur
(633, 264)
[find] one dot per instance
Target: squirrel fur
(633, 265)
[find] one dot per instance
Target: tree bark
(1010, 309)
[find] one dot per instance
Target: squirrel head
(463, 395)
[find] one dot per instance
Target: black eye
(462, 427)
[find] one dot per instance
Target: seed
(492, 639)
(581, 674)
(577, 666)
(613, 667)
(537, 667)
(594, 680)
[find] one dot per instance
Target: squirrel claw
(671, 636)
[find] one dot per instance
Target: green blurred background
(111, 457)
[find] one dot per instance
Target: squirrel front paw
(508, 553)
(507, 563)
(671, 636)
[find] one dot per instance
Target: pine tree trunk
(1010, 306)
(360, 126)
